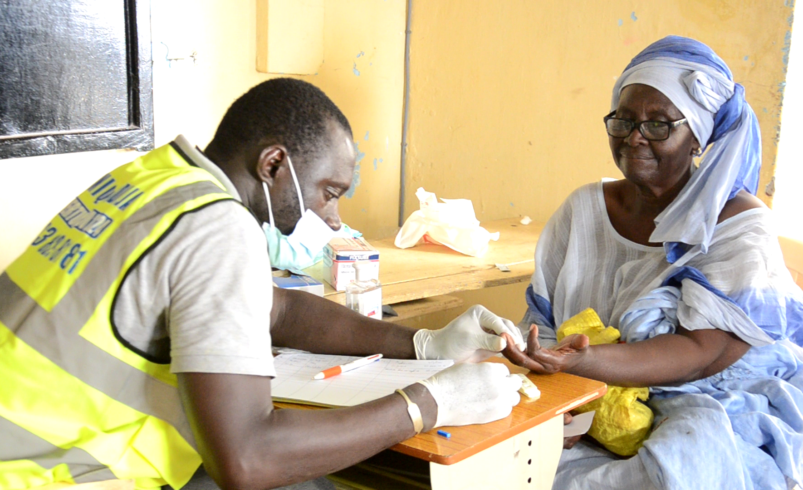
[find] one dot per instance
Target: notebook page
(294, 383)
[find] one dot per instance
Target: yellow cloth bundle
(622, 422)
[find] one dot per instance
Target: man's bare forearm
(315, 324)
(247, 445)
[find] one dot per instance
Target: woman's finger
(532, 340)
(572, 343)
(519, 358)
(569, 442)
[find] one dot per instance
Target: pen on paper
(349, 366)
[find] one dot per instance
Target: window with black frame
(75, 75)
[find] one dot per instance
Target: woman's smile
(628, 155)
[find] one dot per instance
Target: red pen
(334, 371)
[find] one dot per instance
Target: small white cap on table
(528, 388)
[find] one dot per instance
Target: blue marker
(444, 434)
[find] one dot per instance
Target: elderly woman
(683, 260)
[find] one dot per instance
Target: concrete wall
(362, 71)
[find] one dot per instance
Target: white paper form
(294, 383)
(579, 425)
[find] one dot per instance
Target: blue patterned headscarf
(701, 86)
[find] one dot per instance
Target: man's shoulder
(222, 226)
(225, 214)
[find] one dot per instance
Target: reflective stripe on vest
(80, 402)
(60, 464)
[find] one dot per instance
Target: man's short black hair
(286, 111)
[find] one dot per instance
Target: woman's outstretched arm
(662, 360)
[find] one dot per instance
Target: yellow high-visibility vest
(77, 404)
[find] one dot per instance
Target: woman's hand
(564, 356)
(569, 442)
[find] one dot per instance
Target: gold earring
(697, 152)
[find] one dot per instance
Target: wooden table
(427, 271)
(519, 451)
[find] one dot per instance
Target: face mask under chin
(304, 246)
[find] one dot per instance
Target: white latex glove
(467, 337)
(473, 393)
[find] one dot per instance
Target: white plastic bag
(451, 223)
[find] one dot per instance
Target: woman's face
(658, 165)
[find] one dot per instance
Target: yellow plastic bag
(622, 421)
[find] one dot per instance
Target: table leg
(526, 461)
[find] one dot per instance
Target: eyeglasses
(651, 130)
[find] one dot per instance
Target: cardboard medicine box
(339, 257)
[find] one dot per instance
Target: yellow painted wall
(507, 97)
(363, 72)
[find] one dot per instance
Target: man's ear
(269, 162)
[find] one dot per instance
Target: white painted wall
(788, 201)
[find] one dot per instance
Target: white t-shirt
(201, 298)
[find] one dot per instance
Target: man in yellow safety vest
(136, 329)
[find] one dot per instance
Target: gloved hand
(466, 338)
(473, 393)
